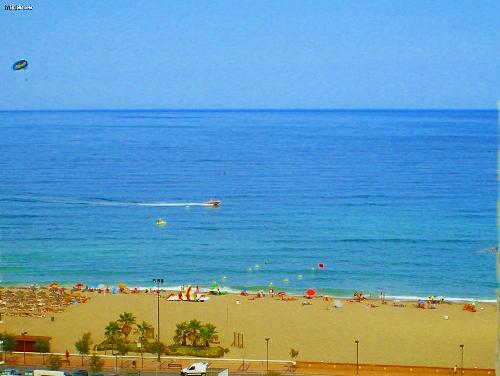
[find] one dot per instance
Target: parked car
(81, 372)
(11, 372)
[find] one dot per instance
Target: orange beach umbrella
(53, 285)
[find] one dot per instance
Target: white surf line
(104, 202)
(171, 204)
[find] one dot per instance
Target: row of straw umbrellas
(37, 301)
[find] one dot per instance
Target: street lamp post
(357, 356)
(157, 282)
(142, 352)
(462, 362)
(115, 353)
(267, 353)
(24, 345)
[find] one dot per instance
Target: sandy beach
(386, 334)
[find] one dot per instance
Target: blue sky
(251, 54)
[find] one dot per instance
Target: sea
(403, 202)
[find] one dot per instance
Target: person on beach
(455, 370)
(67, 355)
(382, 297)
(358, 296)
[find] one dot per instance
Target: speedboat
(214, 203)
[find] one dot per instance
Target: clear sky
(251, 54)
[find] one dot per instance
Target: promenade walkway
(131, 365)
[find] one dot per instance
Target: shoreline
(235, 291)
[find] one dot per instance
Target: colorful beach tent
(54, 285)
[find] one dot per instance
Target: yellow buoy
(160, 222)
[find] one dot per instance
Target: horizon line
(222, 109)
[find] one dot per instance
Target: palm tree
(193, 328)
(181, 333)
(142, 329)
(112, 332)
(126, 321)
(207, 333)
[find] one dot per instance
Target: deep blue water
(399, 201)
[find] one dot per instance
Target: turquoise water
(393, 201)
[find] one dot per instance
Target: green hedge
(105, 346)
(209, 352)
(149, 347)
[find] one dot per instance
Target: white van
(195, 369)
(201, 369)
(46, 372)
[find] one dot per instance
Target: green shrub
(96, 364)
(204, 352)
(54, 362)
(9, 341)
(155, 348)
(106, 346)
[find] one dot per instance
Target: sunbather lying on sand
(358, 296)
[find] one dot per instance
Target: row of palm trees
(120, 329)
(194, 332)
